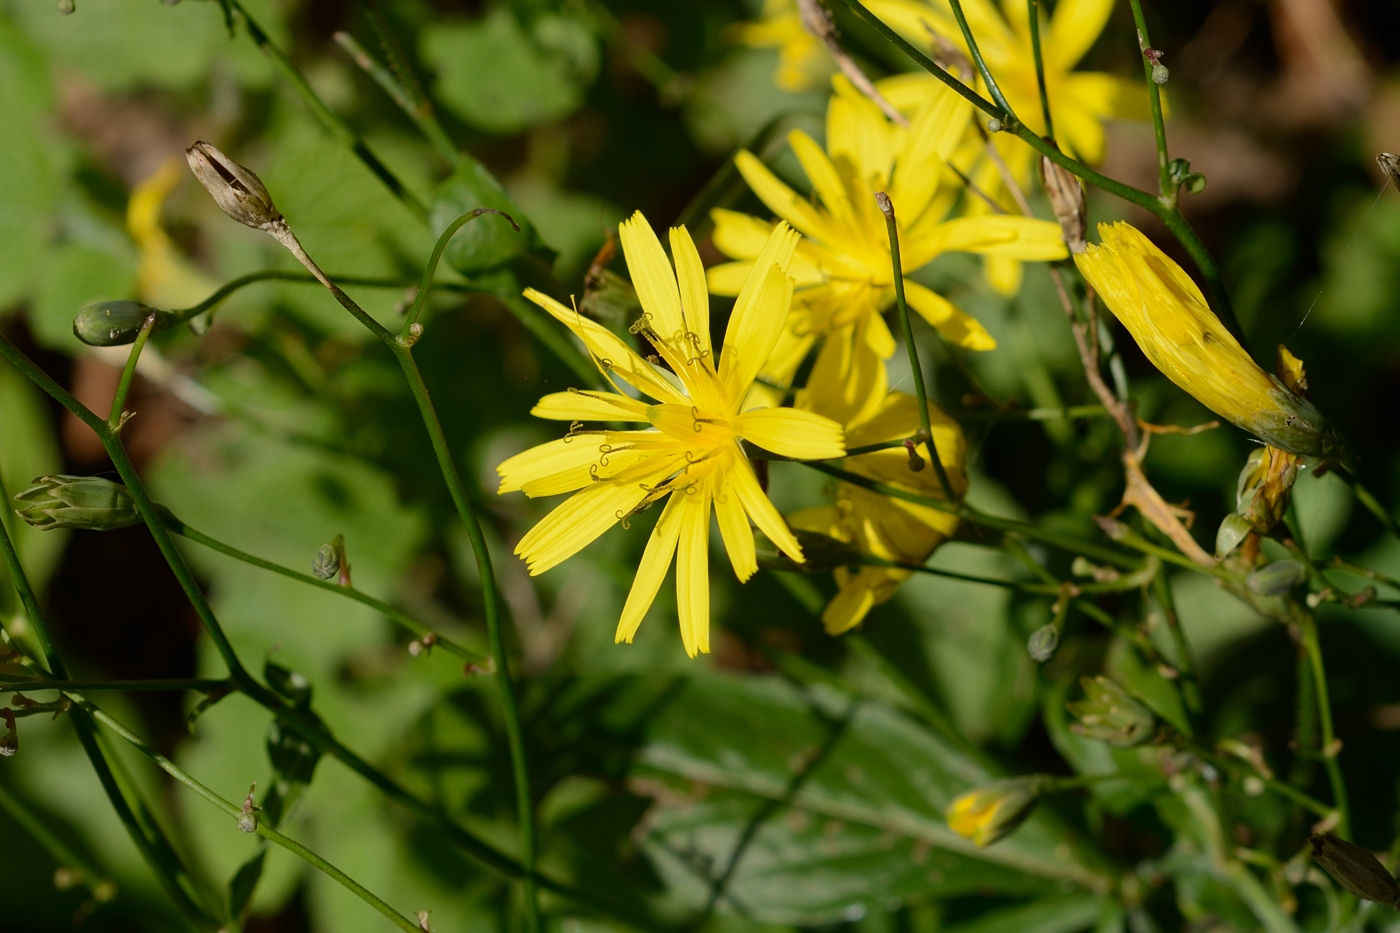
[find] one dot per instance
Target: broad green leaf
(1064, 914)
(74, 274)
(28, 449)
(488, 242)
(502, 77)
(28, 174)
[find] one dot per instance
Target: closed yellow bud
(1170, 320)
(987, 813)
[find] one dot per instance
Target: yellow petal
(693, 569)
(580, 405)
(933, 137)
(998, 234)
(790, 432)
(769, 520)
(695, 298)
(1073, 29)
(577, 523)
(853, 600)
(735, 531)
(609, 352)
(728, 278)
(759, 313)
(957, 325)
(652, 277)
(859, 134)
(1002, 274)
(781, 199)
(822, 174)
(848, 376)
(739, 236)
(566, 453)
(651, 572)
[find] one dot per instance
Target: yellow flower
(802, 62)
(165, 278)
(990, 812)
(842, 266)
(1169, 318)
(854, 392)
(1079, 100)
(691, 446)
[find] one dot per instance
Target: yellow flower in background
(994, 810)
(802, 61)
(690, 449)
(165, 278)
(1080, 101)
(842, 266)
(1169, 318)
(854, 392)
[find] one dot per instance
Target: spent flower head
(1356, 869)
(238, 192)
(689, 451)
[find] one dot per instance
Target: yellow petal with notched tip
(651, 572)
(769, 520)
(608, 350)
(728, 278)
(823, 176)
(582, 405)
(739, 236)
(652, 277)
(577, 523)
(695, 298)
(759, 313)
(791, 432)
(693, 568)
(952, 322)
(562, 454)
(734, 530)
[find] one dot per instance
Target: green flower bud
(1043, 642)
(1355, 869)
(238, 192)
(1232, 531)
(1109, 714)
(89, 502)
(115, 323)
(992, 811)
(1276, 578)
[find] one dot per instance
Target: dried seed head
(1355, 869)
(238, 192)
(1066, 197)
(1390, 164)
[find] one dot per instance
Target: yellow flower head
(1170, 320)
(842, 267)
(165, 278)
(854, 392)
(1079, 101)
(690, 446)
(990, 812)
(802, 62)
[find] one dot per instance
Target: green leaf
(28, 449)
(501, 78)
(74, 274)
(488, 242)
(28, 176)
(1051, 915)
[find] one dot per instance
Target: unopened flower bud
(992, 811)
(1109, 714)
(326, 563)
(1043, 642)
(247, 819)
(116, 323)
(1264, 489)
(1160, 74)
(995, 126)
(67, 7)
(88, 502)
(238, 192)
(1356, 869)
(916, 463)
(1066, 196)
(1390, 164)
(1276, 578)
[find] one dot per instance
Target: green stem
(1224, 762)
(198, 685)
(1190, 688)
(277, 275)
(328, 119)
(114, 420)
(1009, 118)
(431, 269)
(235, 811)
(1154, 96)
(89, 876)
(1033, 9)
(892, 229)
(1176, 223)
(1370, 502)
(491, 600)
(1330, 747)
(1126, 536)
(398, 616)
(973, 516)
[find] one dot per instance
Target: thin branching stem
(173, 684)
(1008, 119)
(1331, 747)
(430, 270)
(1168, 188)
(114, 420)
(1033, 9)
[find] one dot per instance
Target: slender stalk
(1330, 746)
(431, 269)
(976, 53)
(1033, 9)
(1219, 298)
(401, 618)
(327, 118)
(174, 684)
(973, 516)
(114, 420)
(30, 602)
(235, 811)
(892, 229)
(1371, 503)
(1190, 687)
(491, 600)
(1224, 762)
(1154, 98)
(277, 275)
